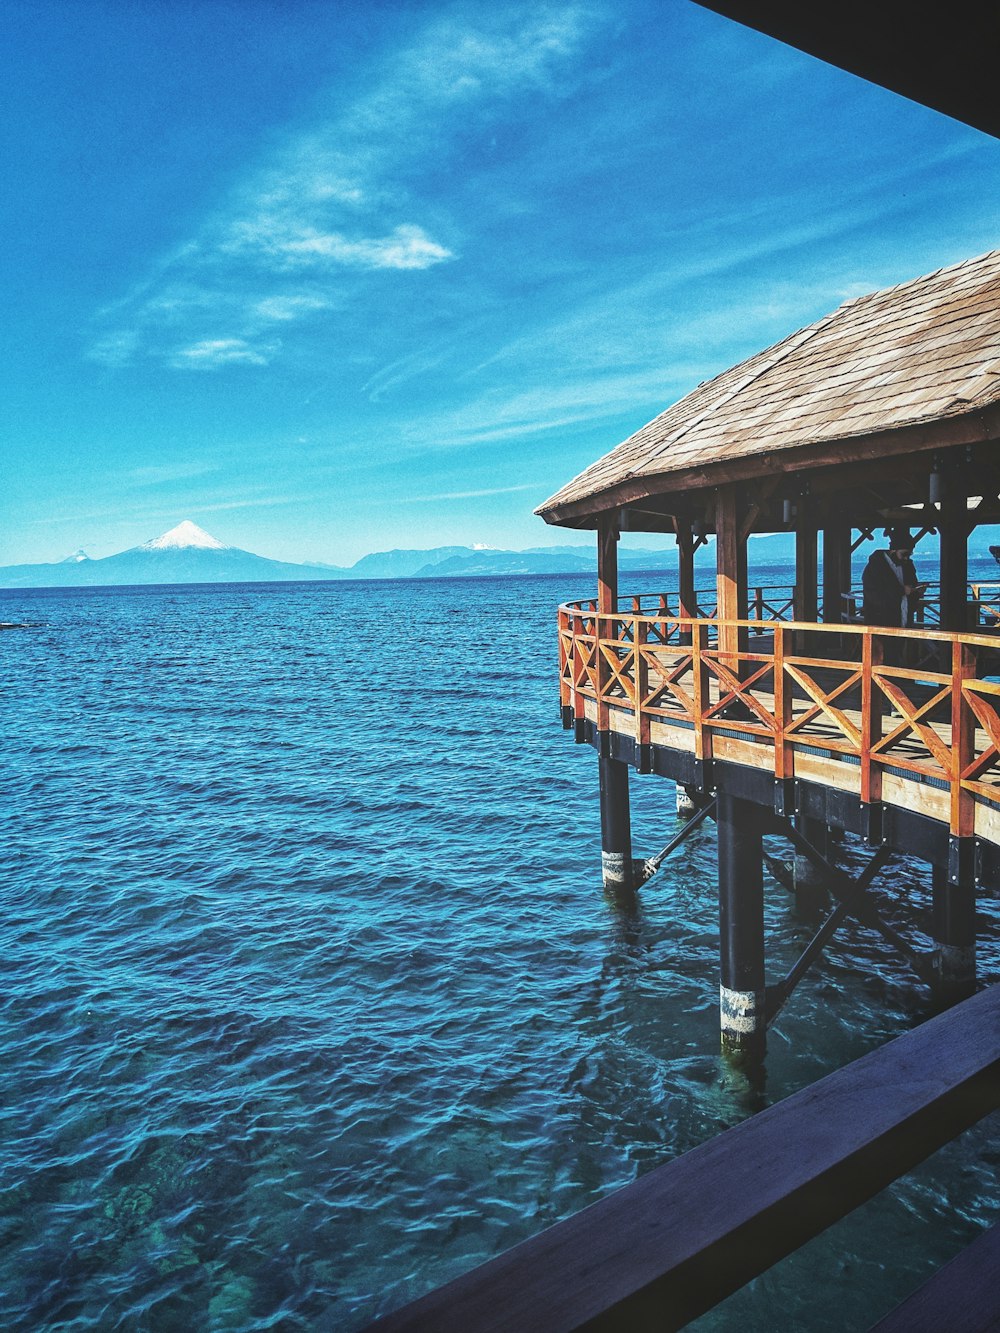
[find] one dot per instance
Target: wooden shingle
(924, 351)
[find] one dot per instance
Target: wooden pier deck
(904, 719)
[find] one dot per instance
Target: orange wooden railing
(775, 601)
(918, 703)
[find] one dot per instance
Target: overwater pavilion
(672, 1244)
(787, 713)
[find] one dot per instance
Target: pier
(781, 707)
(778, 711)
(789, 712)
(807, 728)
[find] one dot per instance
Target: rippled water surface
(311, 997)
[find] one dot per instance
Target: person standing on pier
(891, 590)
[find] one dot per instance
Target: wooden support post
(954, 554)
(836, 570)
(806, 565)
(810, 884)
(607, 564)
(871, 734)
(954, 932)
(616, 827)
(685, 579)
(730, 575)
(742, 997)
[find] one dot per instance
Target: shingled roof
(925, 351)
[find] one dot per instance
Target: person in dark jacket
(891, 590)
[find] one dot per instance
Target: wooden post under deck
(616, 828)
(954, 931)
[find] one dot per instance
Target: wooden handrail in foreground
(661, 1251)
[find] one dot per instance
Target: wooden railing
(775, 601)
(912, 704)
(766, 602)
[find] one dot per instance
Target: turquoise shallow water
(312, 998)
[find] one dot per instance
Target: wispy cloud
(341, 195)
(214, 352)
(284, 308)
(162, 474)
(592, 397)
(407, 247)
(469, 495)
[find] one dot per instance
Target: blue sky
(331, 278)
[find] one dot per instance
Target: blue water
(312, 999)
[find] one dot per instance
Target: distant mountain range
(188, 554)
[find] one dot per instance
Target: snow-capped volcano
(184, 536)
(185, 554)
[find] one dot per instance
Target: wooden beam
(662, 1250)
(685, 572)
(760, 496)
(607, 564)
(806, 564)
(954, 568)
(962, 1295)
(836, 569)
(730, 568)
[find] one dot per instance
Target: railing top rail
(822, 627)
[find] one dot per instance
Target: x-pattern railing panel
(807, 724)
(983, 698)
(735, 688)
(852, 700)
(665, 694)
(914, 725)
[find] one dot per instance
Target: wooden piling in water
(616, 825)
(808, 880)
(954, 931)
(742, 996)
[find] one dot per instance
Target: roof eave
(975, 427)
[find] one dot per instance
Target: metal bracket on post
(567, 717)
(702, 775)
(784, 797)
(961, 860)
(872, 823)
(580, 730)
(604, 744)
(643, 758)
